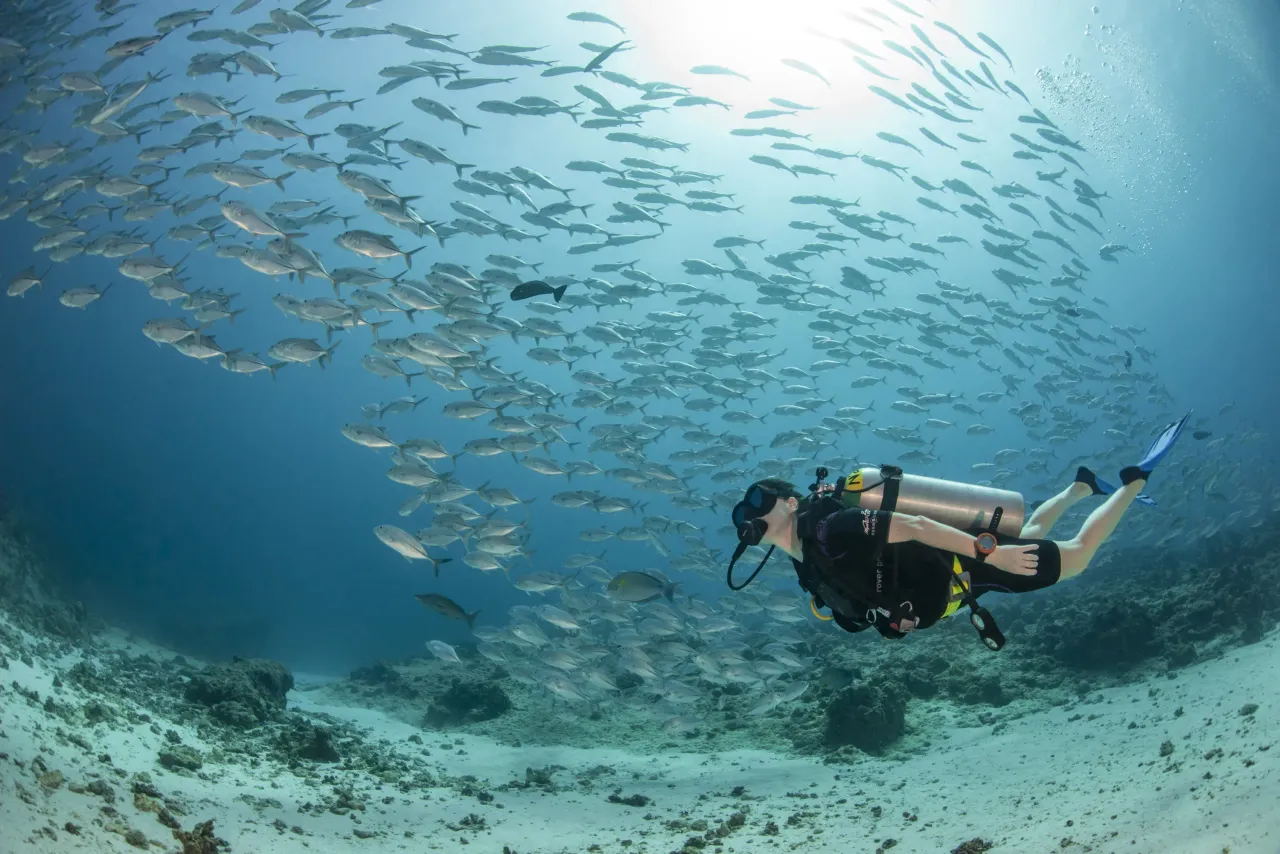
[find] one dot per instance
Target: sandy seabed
(1170, 765)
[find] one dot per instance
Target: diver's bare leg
(1048, 513)
(1077, 553)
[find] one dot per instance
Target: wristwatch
(983, 545)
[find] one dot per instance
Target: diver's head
(766, 514)
(766, 510)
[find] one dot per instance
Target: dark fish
(1202, 434)
(446, 607)
(835, 678)
(1128, 360)
(603, 55)
(639, 587)
(535, 289)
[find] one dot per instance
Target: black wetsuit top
(852, 568)
(859, 575)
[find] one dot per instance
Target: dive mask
(757, 502)
(748, 517)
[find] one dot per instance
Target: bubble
(1233, 33)
(1133, 139)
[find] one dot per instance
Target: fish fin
(408, 256)
(328, 354)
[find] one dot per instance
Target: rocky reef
(305, 740)
(443, 697)
(28, 593)
(467, 701)
(242, 694)
(1144, 611)
(867, 718)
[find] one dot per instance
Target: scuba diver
(902, 552)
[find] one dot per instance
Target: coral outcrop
(243, 693)
(467, 702)
(869, 719)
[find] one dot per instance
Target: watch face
(986, 543)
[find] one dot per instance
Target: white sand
(1017, 786)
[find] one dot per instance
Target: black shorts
(985, 578)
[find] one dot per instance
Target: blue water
(227, 514)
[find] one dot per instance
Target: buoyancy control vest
(861, 602)
(856, 602)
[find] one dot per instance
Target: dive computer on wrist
(983, 545)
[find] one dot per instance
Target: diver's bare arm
(903, 527)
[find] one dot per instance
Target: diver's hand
(1019, 560)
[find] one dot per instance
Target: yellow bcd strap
(957, 589)
(813, 606)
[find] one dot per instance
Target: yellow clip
(813, 606)
(957, 590)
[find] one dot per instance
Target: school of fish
(674, 367)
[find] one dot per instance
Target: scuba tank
(960, 505)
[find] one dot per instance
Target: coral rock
(242, 693)
(868, 719)
(468, 702)
(200, 840)
(181, 756)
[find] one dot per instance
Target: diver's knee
(1074, 556)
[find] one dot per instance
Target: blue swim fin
(1157, 452)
